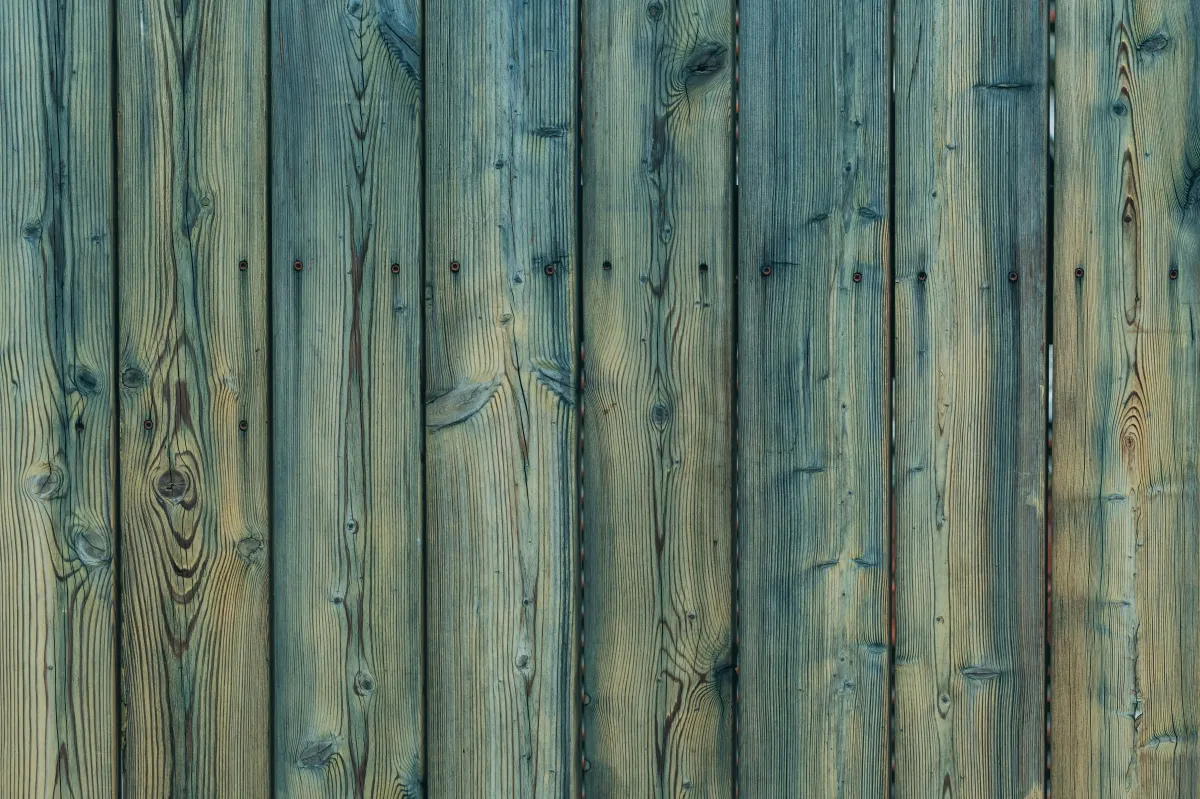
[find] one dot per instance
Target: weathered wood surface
(500, 416)
(970, 394)
(813, 377)
(658, 332)
(1126, 645)
(192, 352)
(346, 228)
(58, 735)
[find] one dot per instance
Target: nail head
(858, 277)
(549, 269)
(454, 266)
(243, 425)
(242, 266)
(608, 266)
(921, 276)
(766, 271)
(298, 265)
(1012, 277)
(1079, 271)
(1174, 273)
(395, 269)
(148, 424)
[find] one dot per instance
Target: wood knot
(47, 483)
(91, 548)
(707, 61)
(318, 754)
(364, 684)
(85, 381)
(172, 485)
(250, 548)
(133, 378)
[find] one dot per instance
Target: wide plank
(346, 236)
(501, 400)
(969, 466)
(1126, 554)
(658, 457)
(813, 399)
(58, 732)
(192, 355)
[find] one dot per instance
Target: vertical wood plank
(658, 332)
(501, 429)
(193, 384)
(813, 370)
(347, 364)
(1126, 589)
(57, 676)
(970, 394)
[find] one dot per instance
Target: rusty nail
(858, 277)
(549, 269)
(921, 276)
(1012, 277)
(242, 265)
(608, 266)
(766, 271)
(243, 425)
(395, 269)
(298, 265)
(148, 424)
(454, 266)
(1079, 271)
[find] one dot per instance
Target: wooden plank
(970, 397)
(347, 366)
(501, 430)
(813, 426)
(57, 671)
(1126, 590)
(658, 327)
(193, 372)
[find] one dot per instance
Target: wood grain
(658, 327)
(1126, 591)
(813, 374)
(501, 430)
(347, 377)
(970, 397)
(58, 735)
(192, 354)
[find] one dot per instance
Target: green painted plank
(970, 397)
(192, 352)
(347, 376)
(813, 411)
(1126, 591)
(500, 436)
(658, 327)
(58, 735)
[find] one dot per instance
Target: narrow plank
(500, 416)
(58, 736)
(1126, 591)
(347, 376)
(970, 397)
(658, 326)
(192, 355)
(813, 411)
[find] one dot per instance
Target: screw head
(455, 266)
(857, 277)
(395, 269)
(298, 265)
(1078, 271)
(766, 271)
(1012, 277)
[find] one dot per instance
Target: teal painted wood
(970, 397)
(347, 376)
(813, 401)
(658, 326)
(501, 431)
(1126, 558)
(192, 355)
(58, 734)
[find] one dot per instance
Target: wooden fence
(498, 398)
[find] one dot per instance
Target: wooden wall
(574, 397)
